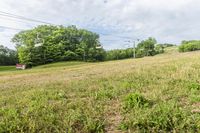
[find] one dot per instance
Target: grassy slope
(60, 64)
(171, 50)
(95, 97)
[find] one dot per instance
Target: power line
(11, 28)
(19, 21)
(124, 37)
(21, 18)
(10, 15)
(14, 16)
(6, 14)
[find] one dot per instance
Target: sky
(116, 21)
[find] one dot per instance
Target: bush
(119, 54)
(159, 48)
(189, 46)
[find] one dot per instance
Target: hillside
(159, 93)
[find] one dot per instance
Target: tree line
(7, 56)
(47, 43)
(148, 47)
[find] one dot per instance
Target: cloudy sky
(117, 21)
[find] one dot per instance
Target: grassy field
(151, 94)
(7, 68)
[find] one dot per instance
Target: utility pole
(134, 49)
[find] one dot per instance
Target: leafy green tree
(7, 56)
(58, 43)
(146, 47)
(69, 55)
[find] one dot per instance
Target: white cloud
(167, 20)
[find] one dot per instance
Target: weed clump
(194, 91)
(160, 118)
(81, 121)
(194, 86)
(135, 100)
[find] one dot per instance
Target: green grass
(7, 68)
(47, 66)
(151, 94)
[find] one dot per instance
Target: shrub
(189, 46)
(159, 48)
